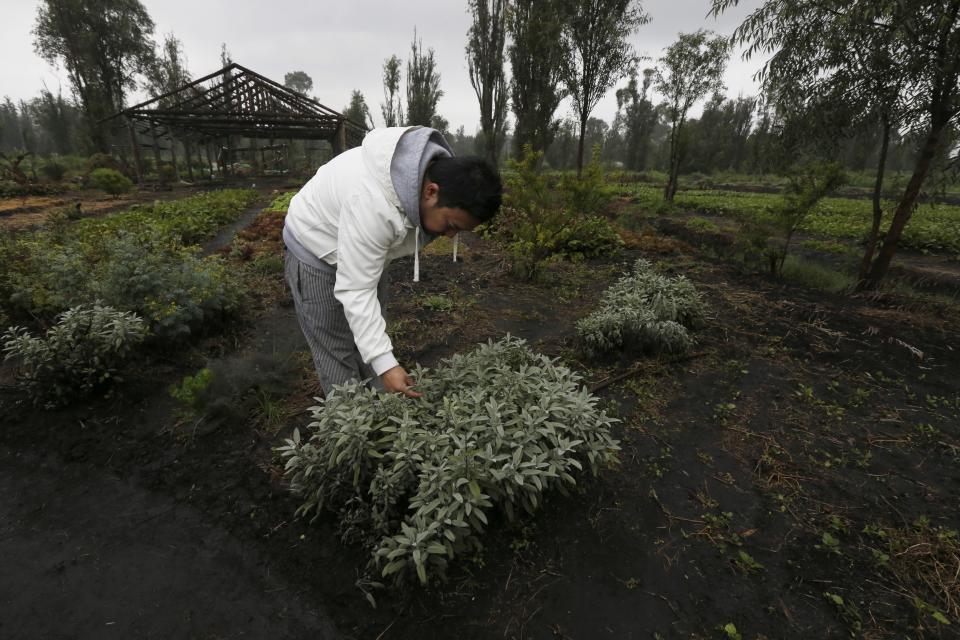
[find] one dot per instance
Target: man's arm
(363, 240)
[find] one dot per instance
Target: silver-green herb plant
(418, 479)
(81, 353)
(643, 309)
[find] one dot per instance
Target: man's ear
(430, 189)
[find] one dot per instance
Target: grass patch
(816, 276)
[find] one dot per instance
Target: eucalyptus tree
(168, 70)
(536, 54)
(595, 36)
(691, 69)
(485, 41)
(898, 60)
(392, 107)
(423, 84)
(103, 45)
(299, 81)
(636, 116)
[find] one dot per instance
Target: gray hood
(415, 150)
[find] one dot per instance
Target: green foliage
(586, 193)
(10, 189)
(192, 219)
(536, 227)
(191, 388)
(166, 172)
(536, 54)
(934, 228)
(281, 202)
(135, 261)
(643, 309)
(53, 170)
(110, 180)
(101, 161)
(78, 355)
(416, 480)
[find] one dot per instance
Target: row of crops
(93, 289)
(934, 228)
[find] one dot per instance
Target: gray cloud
(342, 45)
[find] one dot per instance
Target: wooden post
(340, 139)
(209, 160)
(173, 159)
(186, 152)
(135, 145)
(156, 155)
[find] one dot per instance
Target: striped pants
(324, 324)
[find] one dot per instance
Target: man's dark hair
(469, 183)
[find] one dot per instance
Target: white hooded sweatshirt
(350, 216)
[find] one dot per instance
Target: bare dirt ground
(794, 477)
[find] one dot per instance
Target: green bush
(192, 219)
(53, 170)
(645, 310)
(79, 355)
(417, 480)
(10, 189)
(166, 172)
(281, 202)
(110, 180)
(586, 193)
(102, 161)
(148, 271)
(536, 226)
(175, 289)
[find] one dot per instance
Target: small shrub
(78, 356)
(102, 161)
(438, 303)
(417, 480)
(644, 309)
(53, 170)
(166, 172)
(535, 226)
(111, 181)
(191, 389)
(585, 193)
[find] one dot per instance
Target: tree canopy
(898, 59)
(595, 34)
(485, 41)
(536, 54)
(103, 45)
(423, 84)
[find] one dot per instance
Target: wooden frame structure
(235, 102)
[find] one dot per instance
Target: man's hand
(397, 380)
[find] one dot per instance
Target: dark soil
(755, 476)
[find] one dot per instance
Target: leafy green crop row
(193, 219)
(282, 202)
(141, 260)
(934, 228)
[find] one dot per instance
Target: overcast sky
(342, 45)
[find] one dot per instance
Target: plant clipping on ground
(644, 309)
(417, 480)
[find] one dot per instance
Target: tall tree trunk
(877, 210)
(907, 204)
(583, 134)
(671, 188)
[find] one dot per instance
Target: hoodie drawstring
(456, 241)
(416, 256)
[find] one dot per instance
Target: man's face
(446, 221)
